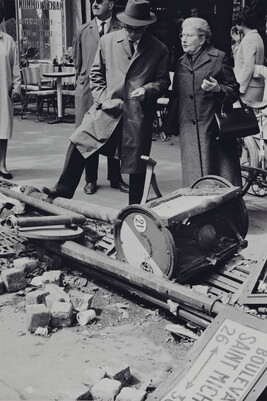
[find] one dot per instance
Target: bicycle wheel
(248, 156)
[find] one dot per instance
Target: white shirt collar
(99, 22)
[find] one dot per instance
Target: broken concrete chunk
(14, 279)
(41, 331)
(55, 293)
(80, 300)
(28, 265)
(36, 297)
(86, 396)
(106, 390)
(17, 206)
(37, 316)
(62, 314)
(93, 375)
(37, 281)
(52, 276)
(119, 372)
(131, 394)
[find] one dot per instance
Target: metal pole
(37, 204)
(138, 278)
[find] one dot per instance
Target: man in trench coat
(125, 85)
(84, 48)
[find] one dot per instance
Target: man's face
(134, 33)
(102, 9)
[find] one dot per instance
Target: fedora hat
(137, 13)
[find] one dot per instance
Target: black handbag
(237, 122)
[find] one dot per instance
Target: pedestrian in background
(130, 71)
(248, 51)
(84, 48)
(9, 92)
(203, 80)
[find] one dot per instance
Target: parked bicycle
(253, 155)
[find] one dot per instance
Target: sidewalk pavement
(36, 156)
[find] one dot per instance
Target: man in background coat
(130, 71)
(84, 48)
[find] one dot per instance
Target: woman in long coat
(203, 80)
(248, 51)
(9, 90)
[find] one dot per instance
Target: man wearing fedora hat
(129, 73)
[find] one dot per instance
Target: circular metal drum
(237, 205)
(185, 232)
(142, 240)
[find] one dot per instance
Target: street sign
(225, 364)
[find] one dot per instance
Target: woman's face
(191, 40)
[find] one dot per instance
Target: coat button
(193, 122)
(129, 58)
(191, 97)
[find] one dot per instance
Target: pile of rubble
(55, 299)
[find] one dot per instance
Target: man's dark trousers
(73, 169)
(113, 167)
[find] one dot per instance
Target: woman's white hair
(201, 26)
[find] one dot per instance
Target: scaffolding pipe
(44, 221)
(38, 204)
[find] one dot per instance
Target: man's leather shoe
(55, 193)
(122, 186)
(90, 188)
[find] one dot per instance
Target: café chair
(68, 88)
(44, 68)
(162, 107)
(32, 87)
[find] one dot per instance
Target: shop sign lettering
(41, 4)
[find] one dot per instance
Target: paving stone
(36, 297)
(106, 390)
(93, 375)
(55, 293)
(119, 372)
(52, 276)
(131, 394)
(14, 279)
(37, 316)
(26, 264)
(62, 314)
(37, 281)
(81, 301)
(85, 396)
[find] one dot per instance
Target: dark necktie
(132, 47)
(102, 30)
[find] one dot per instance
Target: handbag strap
(242, 104)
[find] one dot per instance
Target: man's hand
(138, 94)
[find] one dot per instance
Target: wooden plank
(222, 284)
(236, 276)
(249, 297)
(228, 362)
(217, 291)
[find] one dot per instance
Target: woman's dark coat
(192, 116)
